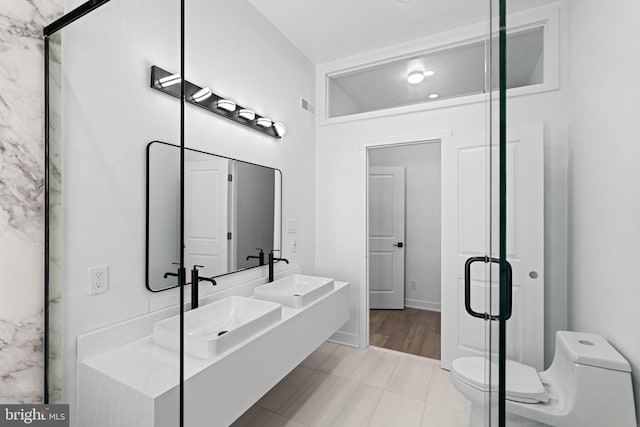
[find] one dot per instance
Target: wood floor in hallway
(409, 330)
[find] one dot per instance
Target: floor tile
(395, 410)
(254, 417)
(412, 377)
(439, 416)
(344, 361)
(279, 421)
(376, 368)
(321, 354)
(352, 405)
(312, 399)
(442, 392)
(275, 398)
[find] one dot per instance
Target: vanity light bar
(203, 97)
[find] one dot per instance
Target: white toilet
(588, 384)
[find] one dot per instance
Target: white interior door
(465, 190)
(386, 237)
(206, 188)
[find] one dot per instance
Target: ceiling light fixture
(429, 73)
(415, 77)
(202, 94)
(247, 114)
(434, 96)
(226, 104)
(264, 122)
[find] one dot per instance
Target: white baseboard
(346, 338)
(422, 305)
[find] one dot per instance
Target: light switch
(292, 226)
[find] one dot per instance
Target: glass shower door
(569, 150)
(102, 355)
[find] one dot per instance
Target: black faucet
(260, 256)
(168, 273)
(195, 280)
(271, 260)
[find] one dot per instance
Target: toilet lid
(523, 382)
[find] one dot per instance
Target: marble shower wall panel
(22, 196)
(56, 223)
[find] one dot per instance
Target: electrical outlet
(294, 245)
(413, 284)
(98, 280)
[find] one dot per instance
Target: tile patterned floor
(340, 386)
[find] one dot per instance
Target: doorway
(404, 249)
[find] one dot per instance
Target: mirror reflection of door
(386, 237)
(206, 187)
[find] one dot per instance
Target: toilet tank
(591, 381)
(590, 350)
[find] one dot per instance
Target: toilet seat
(523, 382)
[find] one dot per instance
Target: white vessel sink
(296, 290)
(217, 327)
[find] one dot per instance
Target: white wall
(422, 218)
(111, 114)
(259, 68)
(341, 190)
(604, 149)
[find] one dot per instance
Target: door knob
(398, 245)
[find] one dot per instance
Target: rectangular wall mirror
(232, 213)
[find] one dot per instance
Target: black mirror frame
(146, 257)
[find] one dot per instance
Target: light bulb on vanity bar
(280, 129)
(202, 94)
(247, 114)
(171, 80)
(226, 104)
(264, 122)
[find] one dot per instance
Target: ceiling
(325, 30)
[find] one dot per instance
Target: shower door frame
(49, 30)
(505, 293)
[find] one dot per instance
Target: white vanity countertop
(153, 370)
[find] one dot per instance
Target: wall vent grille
(307, 106)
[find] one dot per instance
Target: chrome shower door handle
(467, 288)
